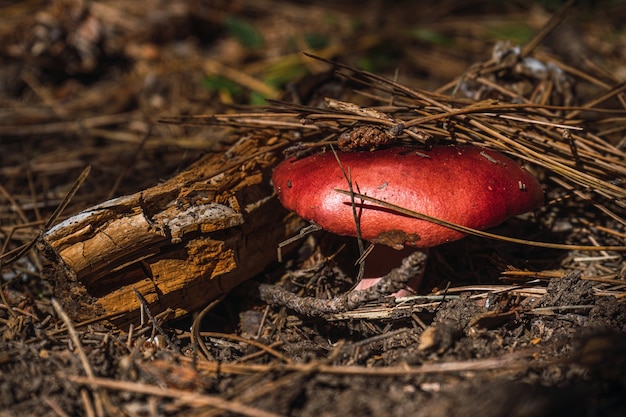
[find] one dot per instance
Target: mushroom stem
(396, 279)
(381, 260)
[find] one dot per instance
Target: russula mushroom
(467, 185)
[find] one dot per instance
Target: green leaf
(257, 99)
(380, 58)
(244, 32)
(279, 75)
(431, 36)
(517, 33)
(217, 83)
(316, 40)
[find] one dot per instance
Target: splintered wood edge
(181, 244)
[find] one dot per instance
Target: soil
(496, 329)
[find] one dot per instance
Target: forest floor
(496, 329)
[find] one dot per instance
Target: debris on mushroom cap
(466, 185)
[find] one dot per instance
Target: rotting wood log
(181, 244)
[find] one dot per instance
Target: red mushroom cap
(466, 185)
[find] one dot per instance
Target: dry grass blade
(530, 131)
(186, 397)
(513, 361)
(259, 345)
(554, 21)
(19, 252)
(348, 176)
(81, 354)
(196, 340)
(480, 233)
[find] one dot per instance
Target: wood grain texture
(181, 244)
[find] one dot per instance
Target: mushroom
(463, 184)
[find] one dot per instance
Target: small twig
(74, 336)
(25, 248)
(40, 129)
(81, 354)
(109, 316)
(554, 21)
(84, 395)
(182, 396)
(252, 356)
(357, 217)
(379, 337)
(155, 325)
(13, 204)
(394, 281)
(518, 360)
(552, 310)
(588, 198)
(196, 340)
(567, 135)
(304, 232)
(54, 406)
(254, 343)
(131, 162)
(481, 233)
(361, 259)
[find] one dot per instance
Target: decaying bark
(181, 243)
